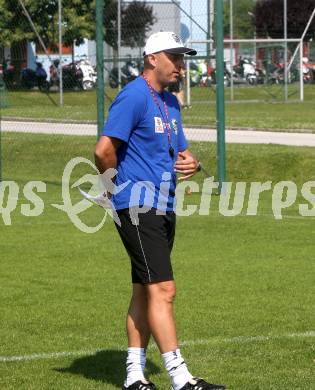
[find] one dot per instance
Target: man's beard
(172, 82)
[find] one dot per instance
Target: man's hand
(186, 164)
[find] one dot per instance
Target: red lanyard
(167, 123)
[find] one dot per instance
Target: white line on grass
(238, 339)
(211, 213)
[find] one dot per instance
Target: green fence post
(0, 150)
(3, 103)
(100, 88)
(219, 37)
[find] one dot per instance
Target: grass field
(270, 113)
(245, 302)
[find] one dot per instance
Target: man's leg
(162, 324)
(138, 335)
(160, 314)
(137, 318)
(138, 330)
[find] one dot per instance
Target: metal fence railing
(45, 53)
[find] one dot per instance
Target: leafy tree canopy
(242, 18)
(136, 19)
(268, 18)
(78, 17)
(78, 21)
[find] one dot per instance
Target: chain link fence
(49, 73)
(48, 87)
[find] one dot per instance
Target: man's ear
(152, 60)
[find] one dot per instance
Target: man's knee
(165, 291)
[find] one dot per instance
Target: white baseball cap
(166, 41)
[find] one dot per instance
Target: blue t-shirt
(144, 160)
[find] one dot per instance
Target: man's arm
(106, 153)
(186, 164)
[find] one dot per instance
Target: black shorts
(149, 244)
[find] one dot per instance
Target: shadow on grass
(105, 366)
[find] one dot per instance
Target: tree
(78, 21)
(268, 18)
(14, 27)
(136, 19)
(242, 18)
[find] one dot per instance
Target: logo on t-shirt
(175, 126)
(158, 125)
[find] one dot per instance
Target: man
(144, 140)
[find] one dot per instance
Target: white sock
(177, 369)
(135, 365)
